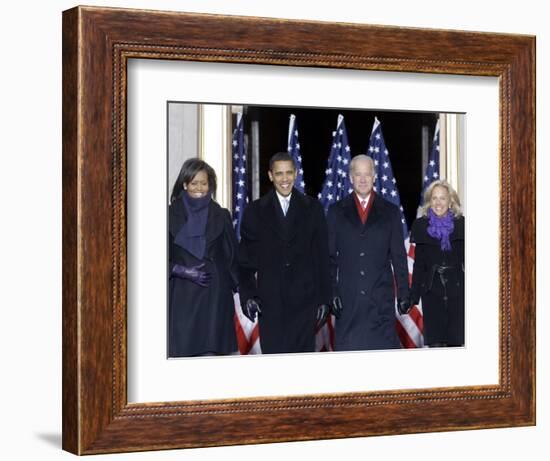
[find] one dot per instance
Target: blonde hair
(454, 204)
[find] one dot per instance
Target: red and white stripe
(411, 325)
(248, 333)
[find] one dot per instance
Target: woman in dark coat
(202, 266)
(438, 273)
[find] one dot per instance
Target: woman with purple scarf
(438, 273)
(202, 267)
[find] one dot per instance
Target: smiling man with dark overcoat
(283, 257)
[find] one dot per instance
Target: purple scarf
(441, 228)
(192, 235)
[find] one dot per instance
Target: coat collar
(272, 214)
(351, 213)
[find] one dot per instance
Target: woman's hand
(195, 274)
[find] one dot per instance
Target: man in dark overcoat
(367, 255)
(283, 262)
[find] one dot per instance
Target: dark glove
(195, 274)
(404, 306)
(336, 307)
(251, 308)
(322, 314)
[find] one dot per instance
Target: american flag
(432, 168)
(247, 331)
(337, 182)
(409, 327)
(294, 151)
(240, 189)
(385, 184)
(336, 186)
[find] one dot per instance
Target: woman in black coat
(202, 267)
(438, 273)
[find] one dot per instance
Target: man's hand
(251, 309)
(336, 307)
(322, 314)
(404, 306)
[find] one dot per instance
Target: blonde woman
(438, 273)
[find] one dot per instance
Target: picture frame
(97, 44)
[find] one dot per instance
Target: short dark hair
(280, 157)
(188, 171)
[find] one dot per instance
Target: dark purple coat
(200, 320)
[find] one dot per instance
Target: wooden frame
(97, 42)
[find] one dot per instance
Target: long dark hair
(188, 171)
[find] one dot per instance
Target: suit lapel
(350, 211)
(271, 213)
(295, 214)
(213, 225)
(177, 216)
(374, 214)
(287, 226)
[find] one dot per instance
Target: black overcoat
(361, 260)
(284, 263)
(201, 319)
(443, 321)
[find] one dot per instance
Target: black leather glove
(195, 274)
(336, 307)
(404, 306)
(251, 309)
(322, 314)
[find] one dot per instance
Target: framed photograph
(126, 73)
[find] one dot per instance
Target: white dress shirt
(282, 202)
